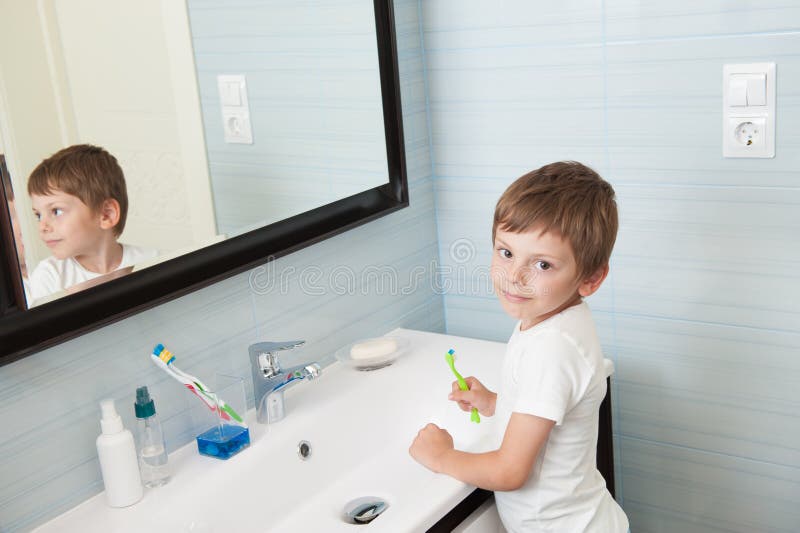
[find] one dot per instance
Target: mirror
(224, 117)
(314, 137)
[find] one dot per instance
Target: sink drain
(304, 450)
(364, 510)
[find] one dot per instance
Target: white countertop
(359, 424)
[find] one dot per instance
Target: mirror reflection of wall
(312, 101)
(122, 75)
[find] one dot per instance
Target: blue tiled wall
(700, 312)
(49, 401)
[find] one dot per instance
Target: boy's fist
(477, 396)
(430, 444)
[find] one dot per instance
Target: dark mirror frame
(23, 332)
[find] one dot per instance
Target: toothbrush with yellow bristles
(164, 359)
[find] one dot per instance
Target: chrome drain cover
(364, 510)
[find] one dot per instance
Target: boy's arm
(504, 469)
(99, 280)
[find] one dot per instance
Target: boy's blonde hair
(567, 198)
(86, 171)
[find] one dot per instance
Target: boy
(554, 229)
(80, 200)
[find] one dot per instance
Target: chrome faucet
(270, 380)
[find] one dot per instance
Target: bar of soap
(373, 348)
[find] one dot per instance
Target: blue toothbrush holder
(218, 433)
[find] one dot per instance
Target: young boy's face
(534, 274)
(67, 226)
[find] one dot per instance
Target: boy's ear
(590, 284)
(109, 214)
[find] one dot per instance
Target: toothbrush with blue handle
(164, 359)
(449, 357)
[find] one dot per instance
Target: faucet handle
(273, 347)
(264, 355)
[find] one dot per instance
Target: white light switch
(748, 110)
(230, 94)
(737, 92)
(232, 90)
(757, 89)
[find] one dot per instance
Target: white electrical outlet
(750, 133)
(748, 137)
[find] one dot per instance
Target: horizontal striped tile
(709, 489)
(475, 24)
(651, 19)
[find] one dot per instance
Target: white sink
(359, 426)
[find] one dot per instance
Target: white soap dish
(372, 354)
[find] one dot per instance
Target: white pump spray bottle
(118, 463)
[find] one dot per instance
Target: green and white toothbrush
(474, 416)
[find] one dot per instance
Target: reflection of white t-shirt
(554, 370)
(54, 275)
(26, 288)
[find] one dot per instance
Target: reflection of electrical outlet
(236, 125)
(747, 137)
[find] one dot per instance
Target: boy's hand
(430, 445)
(477, 396)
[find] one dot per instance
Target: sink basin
(356, 426)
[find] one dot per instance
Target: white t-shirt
(54, 275)
(554, 370)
